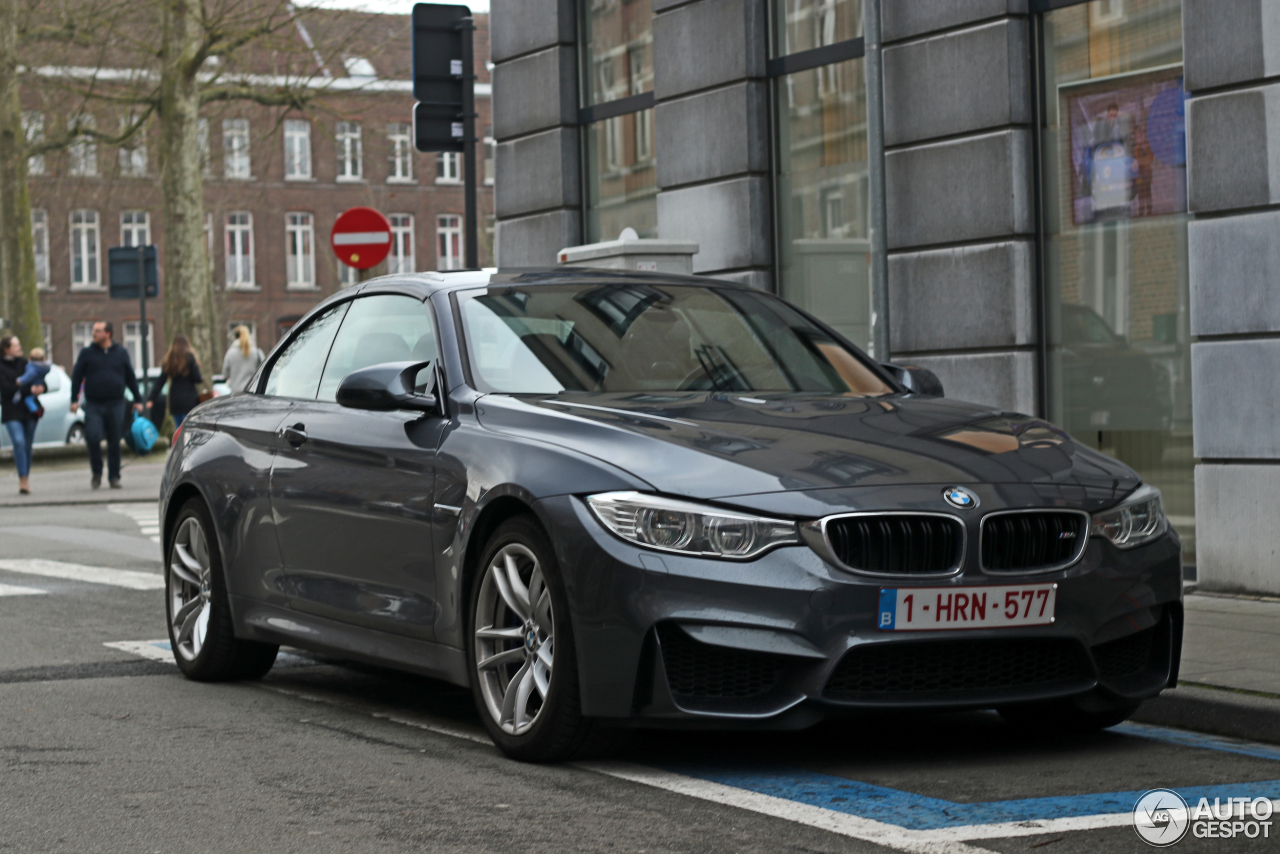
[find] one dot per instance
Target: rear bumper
(787, 639)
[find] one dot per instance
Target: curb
(1217, 711)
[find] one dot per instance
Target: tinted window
(622, 337)
(377, 329)
(296, 372)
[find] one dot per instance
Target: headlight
(681, 526)
(1140, 519)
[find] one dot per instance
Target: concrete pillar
(537, 192)
(1232, 51)
(960, 196)
(709, 73)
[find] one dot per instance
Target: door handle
(295, 435)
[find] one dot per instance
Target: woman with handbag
(182, 371)
(19, 419)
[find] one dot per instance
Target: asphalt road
(107, 749)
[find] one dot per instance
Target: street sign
(122, 271)
(361, 237)
(441, 76)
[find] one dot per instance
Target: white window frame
(300, 251)
(450, 250)
(135, 226)
(202, 142)
(490, 156)
(81, 337)
(33, 131)
(400, 145)
(133, 154)
(401, 259)
(208, 238)
(449, 167)
(297, 150)
(86, 245)
(238, 251)
(236, 165)
(131, 338)
(46, 332)
(349, 137)
(347, 275)
(40, 245)
(82, 153)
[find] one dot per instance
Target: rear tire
(1064, 716)
(199, 617)
(75, 434)
(520, 652)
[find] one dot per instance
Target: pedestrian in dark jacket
(105, 369)
(182, 371)
(18, 419)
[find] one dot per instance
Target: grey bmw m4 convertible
(604, 499)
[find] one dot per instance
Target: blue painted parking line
(1196, 739)
(911, 811)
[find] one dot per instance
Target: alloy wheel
(514, 638)
(190, 571)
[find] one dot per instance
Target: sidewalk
(1230, 678)
(67, 482)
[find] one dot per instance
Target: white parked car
(59, 425)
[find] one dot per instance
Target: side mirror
(919, 381)
(385, 387)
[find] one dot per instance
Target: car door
(352, 489)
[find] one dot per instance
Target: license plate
(921, 609)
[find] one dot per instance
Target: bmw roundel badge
(960, 498)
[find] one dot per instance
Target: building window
(490, 155)
(400, 145)
(347, 275)
(300, 256)
(297, 150)
(84, 249)
(133, 154)
(617, 114)
(350, 152)
(133, 343)
(401, 260)
(83, 151)
(40, 243)
(202, 142)
(449, 167)
(1114, 194)
(235, 148)
(135, 228)
(449, 242)
(81, 337)
(33, 130)
(208, 238)
(240, 250)
(46, 335)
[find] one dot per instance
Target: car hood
(718, 446)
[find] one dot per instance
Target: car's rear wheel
(524, 674)
(1064, 716)
(200, 630)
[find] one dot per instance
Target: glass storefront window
(822, 195)
(806, 24)
(618, 61)
(622, 183)
(1115, 196)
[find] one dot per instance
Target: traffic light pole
(471, 240)
(142, 310)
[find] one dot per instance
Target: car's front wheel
(200, 629)
(524, 674)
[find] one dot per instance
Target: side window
(296, 373)
(379, 328)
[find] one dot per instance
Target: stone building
(1083, 201)
(274, 184)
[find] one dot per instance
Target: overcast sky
(401, 7)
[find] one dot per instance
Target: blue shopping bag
(144, 435)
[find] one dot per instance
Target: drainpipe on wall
(877, 215)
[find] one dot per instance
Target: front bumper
(787, 639)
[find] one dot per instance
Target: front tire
(199, 617)
(524, 673)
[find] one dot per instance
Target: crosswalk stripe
(15, 590)
(128, 578)
(145, 514)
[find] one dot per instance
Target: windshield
(629, 337)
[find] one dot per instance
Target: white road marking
(156, 650)
(78, 572)
(146, 514)
(15, 590)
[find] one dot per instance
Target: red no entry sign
(361, 237)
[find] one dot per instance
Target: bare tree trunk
(189, 306)
(20, 301)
